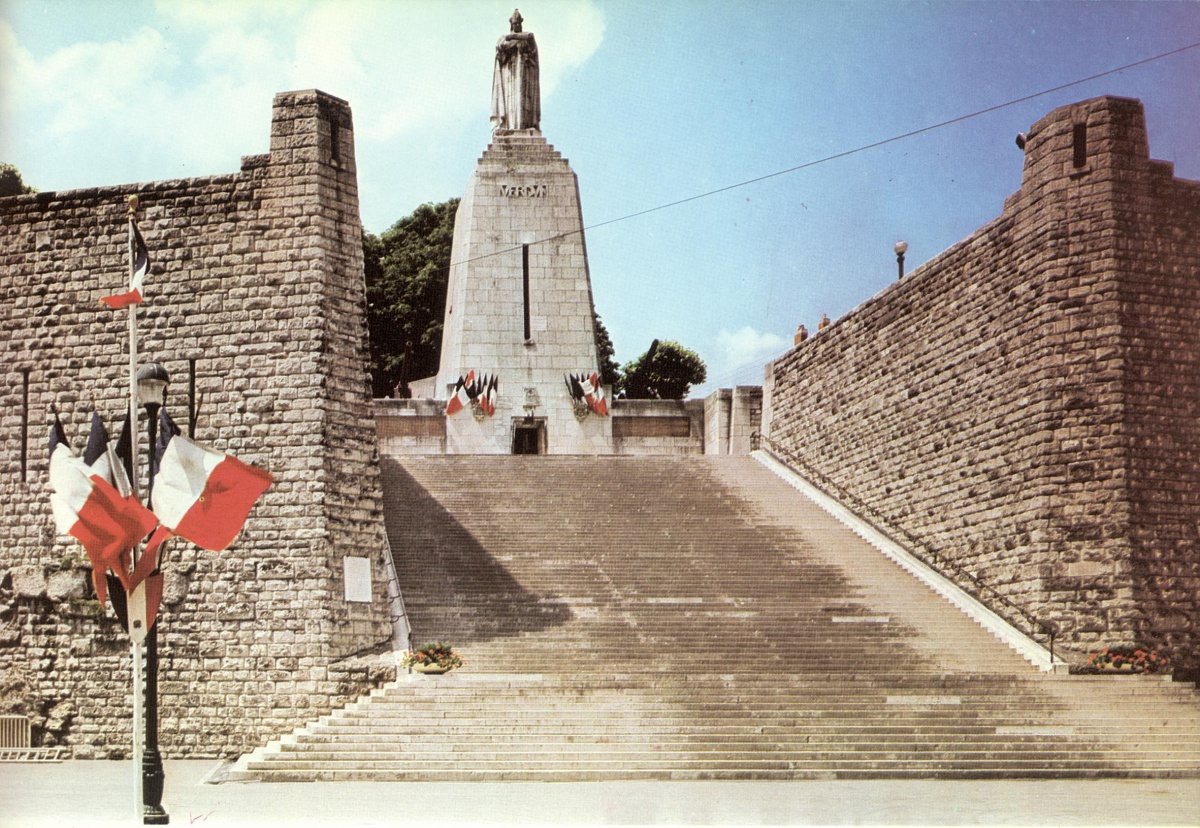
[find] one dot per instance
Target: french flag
(462, 394)
(597, 401)
(594, 394)
(141, 266)
(489, 397)
(88, 507)
(201, 495)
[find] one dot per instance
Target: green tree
(11, 182)
(666, 371)
(406, 270)
(610, 372)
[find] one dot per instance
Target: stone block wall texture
(257, 279)
(1028, 402)
(410, 427)
(658, 427)
(718, 419)
(745, 418)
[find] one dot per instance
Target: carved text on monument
(523, 190)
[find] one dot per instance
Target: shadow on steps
(454, 588)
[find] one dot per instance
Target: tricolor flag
(589, 391)
(201, 495)
(141, 266)
(462, 394)
(597, 399)
(489, 395)
(87, 506)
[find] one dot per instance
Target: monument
(519, 355)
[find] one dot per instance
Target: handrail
(919, 547)
(396, 609)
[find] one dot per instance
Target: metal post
(136, 660)
(147, 761)
(153, 777)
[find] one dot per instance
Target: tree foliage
(11, 182)
(610, 372)
(406, 271)
(666, 371)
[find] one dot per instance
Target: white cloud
(748, 345)
(190, 91)
(88, 86)
(14, 63)
(739, 358)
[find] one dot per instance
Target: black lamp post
(152, 381)
(901, 247)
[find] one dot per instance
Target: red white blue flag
(463, 394)
(87, 506)
(137, 275)
(593, 392)
(202, 495)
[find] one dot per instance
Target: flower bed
(433, 656)
(1125, 660)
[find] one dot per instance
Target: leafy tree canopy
(666, 371)
(11, 183)
(407, 269)
(610, 373)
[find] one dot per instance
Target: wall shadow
(453, 586)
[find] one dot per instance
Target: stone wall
(257, 283)
(410, 427)
(1026, 402)
(732, 417)
(658, 427)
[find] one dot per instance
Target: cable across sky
(855, 150)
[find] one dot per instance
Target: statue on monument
(516, 97)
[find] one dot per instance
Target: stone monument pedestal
(519, 305)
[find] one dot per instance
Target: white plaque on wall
(358, 579)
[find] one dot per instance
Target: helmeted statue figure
(516, 96)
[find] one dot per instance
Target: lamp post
(901, 247)
(152, 380)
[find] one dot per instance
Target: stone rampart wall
(257, 282)
(1026, 401)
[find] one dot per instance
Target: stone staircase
(665, 618)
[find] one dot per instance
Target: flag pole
(139, 700)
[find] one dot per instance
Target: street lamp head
(901, 248)
(152, 380)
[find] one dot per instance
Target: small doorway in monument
(529, 437)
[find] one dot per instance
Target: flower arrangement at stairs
(1125, 660)
(436, 657)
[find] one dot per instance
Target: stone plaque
(358, 579)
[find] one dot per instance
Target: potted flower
(1126, 660)
(436, 657)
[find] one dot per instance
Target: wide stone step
(697, 618)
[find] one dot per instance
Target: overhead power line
(849, 152)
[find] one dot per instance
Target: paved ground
(83, 793)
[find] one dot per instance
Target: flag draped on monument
(464, 392)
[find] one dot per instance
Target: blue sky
(651, 102)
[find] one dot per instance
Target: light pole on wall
(901, 247)
(152, 380)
